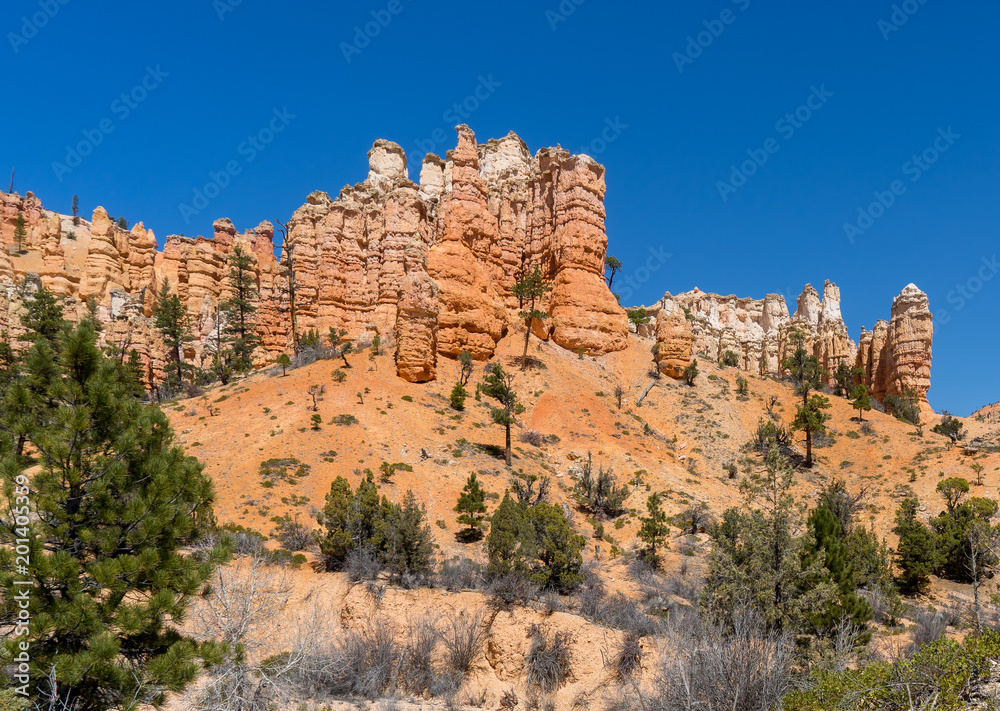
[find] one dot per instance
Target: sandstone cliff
(894, 357)
(429, 267)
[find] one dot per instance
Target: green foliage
(827, 546)
(916, 552)
(811, 419)
(600, 493)
(952, 530)
(938, 676)
(114, 505)
(952, 490)
(457, 397)
(758, 559)
(904, 406)
(172, 323)
(950, 427)
(465, 359)
(844, 379)
(861, 400)
(240, 309)
(613, 265)
(471, 508)
(317, 422)
(742, 386)
(75, 209)
(557, 548)
(529, 290)
(535, 541)
(638, 316)
(691, 372)
(729, 360)
(499, 386)
(511, 543)
(654, 528)
(284, 361)
(397, 534)
(20, 233)
(43, 319)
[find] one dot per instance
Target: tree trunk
(809, 450)
(508, 444)
(527, 335)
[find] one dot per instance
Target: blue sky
(686, 94)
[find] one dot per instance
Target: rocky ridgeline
(430, 265)
(894, 357)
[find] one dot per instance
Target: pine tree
(691, 372)
(916, 552)
(172, 322)
(135, 374)
(844, 379)
(654, 529)
(114, 505)
(613, 265)
(43, 319)
(284, 361)
(241, 309)
(458, 395)
(861, 400)
(465, 359)
(557, 548)
(511, 542)
(529, 290)
(407, 543)
(500, 386)
(471, 508)
(336, 542)
(76, 210)
(808, 375)
(828, 547)
(20, 232)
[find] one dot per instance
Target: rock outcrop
(430, 266)
(894, 357)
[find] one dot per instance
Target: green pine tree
(76, 210)
(499, 385)
(654, 528)
(20, 232)
(172, 322)
(457, 397)
(613, 265)
(557, 548)
(471, 508)
(284, 361)
(529, 290)
(43, 318)
(829, 548)
(844, 378)
(808, 375)
(465, 359)
(407, 546)
(861, 400)
(114, 505)
(241, 309)
(916, 553)
(336, 541)
(511, 542)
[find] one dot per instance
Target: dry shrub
(928, 627)
(535, 439)
(418, 673)
(464, 638)
(627, 662)
(510, 591)
(460, 573)
(740, 665)
(362, 564)
(549, 661)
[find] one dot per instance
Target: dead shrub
(627, 662)
(464, 638)
(362, 564)
(460, 573)
(535, 439)
(510, 591)
(549, 661)
(418, 673)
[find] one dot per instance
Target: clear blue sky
(559, 77)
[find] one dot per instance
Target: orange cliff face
(429, 267)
